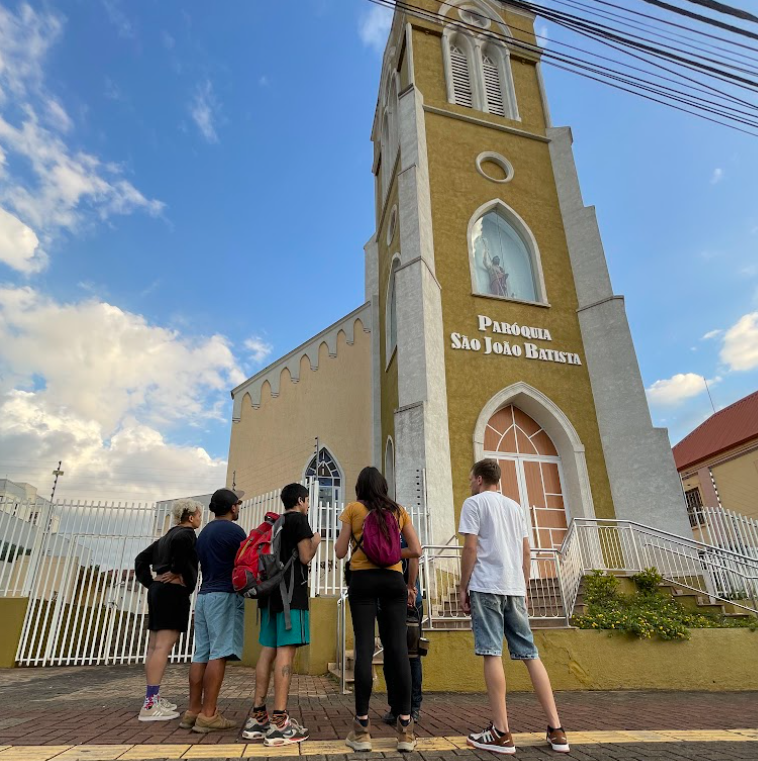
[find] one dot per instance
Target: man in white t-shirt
(494, 580)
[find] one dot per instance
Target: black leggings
(369, 590)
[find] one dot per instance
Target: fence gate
(85, 604)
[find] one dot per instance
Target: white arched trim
(389, 347)
(502, 59)
(453, 37)
(531, 244)
(554, 422)
(449, 9)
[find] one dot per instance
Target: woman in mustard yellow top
(373, 588)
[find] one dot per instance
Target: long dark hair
(371, 489)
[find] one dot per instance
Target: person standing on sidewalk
(415, 603)
(173, 559)
(219, 615)
(372, 586)
(280, 642)
(494, 579)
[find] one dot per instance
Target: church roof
(726, 429)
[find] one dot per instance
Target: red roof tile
(728, 428)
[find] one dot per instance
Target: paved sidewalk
(61, 708)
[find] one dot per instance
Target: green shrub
(649, 612)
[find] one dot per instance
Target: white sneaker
(167, 703)
(157, 712)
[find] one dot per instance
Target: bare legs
(263, 674)
(205, 684)
(283, 676)
(159, 648)
(541, 684)
(494, 677)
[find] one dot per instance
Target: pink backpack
(376, 547)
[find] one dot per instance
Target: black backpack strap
(288, 593)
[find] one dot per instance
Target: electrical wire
(718, 113)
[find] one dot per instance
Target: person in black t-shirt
(280, 643)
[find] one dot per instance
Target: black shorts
(168, 607)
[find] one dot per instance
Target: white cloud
(717, 176)
(678, 388)
(19, 245)
(751, 270)
(60, 187)
(58, 117)
(740, 347)
(112, 90)
(712, 334)
(119, 19)
(374, 27)
(263, 81)
(134, 463)
(203, 110)
(543, 35)
(99, 387)
(258, 348)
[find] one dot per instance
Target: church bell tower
(499, 333)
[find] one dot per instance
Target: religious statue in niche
(501, 262)
(498, 276)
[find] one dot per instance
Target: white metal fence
(726, 529)
(75, 563)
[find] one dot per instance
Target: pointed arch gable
(558, 427)
(520, 226)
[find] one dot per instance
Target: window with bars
(694, 507)
(324, 468)
(461, 72)
(493, 88)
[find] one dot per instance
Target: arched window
(504, 259)
(460, 66)
(493, 88)
(389, 468)
(394, 120)
(324, 468)
(386, 162)
(391, 313)
(497, 82)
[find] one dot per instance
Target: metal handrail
(596, 523)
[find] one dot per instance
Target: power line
(728, 10)
(718, 113)
(704, 19)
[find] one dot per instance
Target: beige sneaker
(406, 737)
(157, 712)
(360, 737)
(188, 720)
(216, 723)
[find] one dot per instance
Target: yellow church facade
(489, 325)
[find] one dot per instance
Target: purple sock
(151, 693)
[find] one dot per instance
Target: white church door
(531, 473)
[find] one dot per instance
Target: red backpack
(258, 568)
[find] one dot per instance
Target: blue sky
(184, 196)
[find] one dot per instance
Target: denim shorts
(219, 627)
(494, 616)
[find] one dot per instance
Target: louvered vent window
(461, 77)
(492, 86)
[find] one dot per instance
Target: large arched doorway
(532, 473)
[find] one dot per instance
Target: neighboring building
(489, 325)
(718, 461)
(22, 501)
